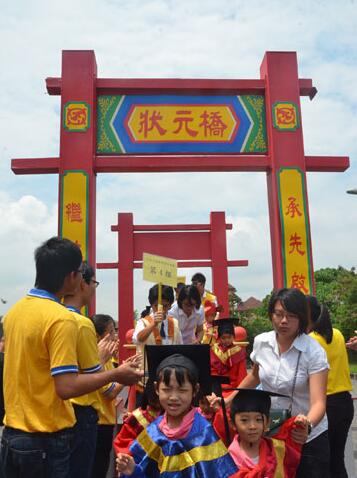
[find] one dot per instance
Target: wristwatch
(309, 427)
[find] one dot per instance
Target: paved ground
(351, 447)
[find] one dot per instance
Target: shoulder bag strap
(294, 382)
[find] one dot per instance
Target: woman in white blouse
(277, 357)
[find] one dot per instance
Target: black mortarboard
(217, 381)
(226, 326)
(195, 358)
(252, 400)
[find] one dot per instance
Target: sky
(175, 39)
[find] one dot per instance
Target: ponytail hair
(145, 312)
(320, 318)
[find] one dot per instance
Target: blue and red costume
(201, 454)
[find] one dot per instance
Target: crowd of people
(198, 412)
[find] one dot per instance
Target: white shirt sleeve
(256, 348)
(140, 325)
(179, 337)
(174, 311)
(201, 315)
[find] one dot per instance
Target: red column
(286, 148)
(219, 259)
(78, 144)
(125, 276)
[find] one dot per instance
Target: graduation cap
(195, 358)
(252, 400)
(226, 326)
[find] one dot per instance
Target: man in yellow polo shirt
(88, 406)
(41, 369)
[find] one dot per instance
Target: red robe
(229, 361)
(219, 428)
(132, 427)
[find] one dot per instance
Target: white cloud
(25, 223)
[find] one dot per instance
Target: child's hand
(299, 432)
(214, 402)
(352, 342)
(105, 349)
(135, 360)
(159, 317)
(125, 464)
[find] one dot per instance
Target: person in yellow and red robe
(227, 358)
(256, 455)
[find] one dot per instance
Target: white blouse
(188, 325)
(276, 372)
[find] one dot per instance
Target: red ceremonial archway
(186, 125)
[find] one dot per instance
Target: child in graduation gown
(226, 357)
(258, 456)
(181, 443)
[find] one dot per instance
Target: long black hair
(320, 318)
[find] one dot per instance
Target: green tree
(337, 289)
(234, 300)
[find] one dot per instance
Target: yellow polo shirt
(107, 414)
(88, 358)
(41, 342)
(338, 379)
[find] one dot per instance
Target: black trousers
(315, 458)
(340, 411)
(85, 440)
(102, 452)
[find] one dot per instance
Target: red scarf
(182, 430)
(247, 469)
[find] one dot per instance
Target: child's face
(174, 398)
(226, 340)
(250, 426)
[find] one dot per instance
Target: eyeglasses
(95, 282)
(279, 314)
